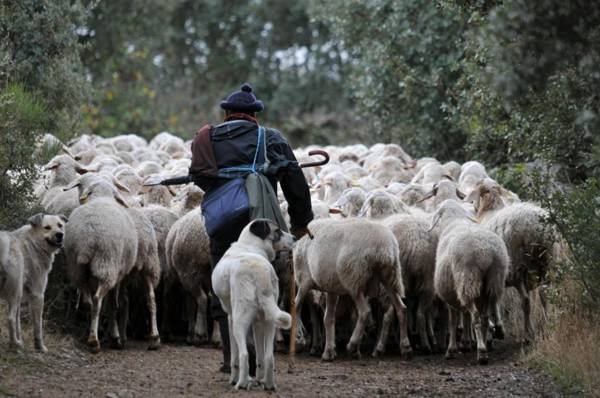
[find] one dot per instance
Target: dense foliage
(42, 89)
(21, 117)
(173, 78)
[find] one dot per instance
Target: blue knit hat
(243, 101)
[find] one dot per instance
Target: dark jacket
(234, 144)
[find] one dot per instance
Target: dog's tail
(282, 319)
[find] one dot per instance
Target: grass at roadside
(571, 352)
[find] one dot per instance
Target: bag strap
(261, 147)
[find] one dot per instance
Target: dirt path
(178, 370)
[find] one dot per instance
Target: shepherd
(239, 164)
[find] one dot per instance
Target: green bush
(576, 214)
(22, 116)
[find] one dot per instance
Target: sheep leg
(478, 325)
(317, 332)
(190, 307)
(234, 357)
(151, 302)
(116, 315)
(165, 325)
(331, 301)
(303, 289)
(200, 327)
(259, 344)
(401, 313)
(269, 358)
(453, 328)
(498, 323)
(386, 324)
(93, 341)
(241, 324)
(430, 331)
(215, 339)
(422, 327)
(466, 343)
(123, 310)
(526, 303)
(364, 310)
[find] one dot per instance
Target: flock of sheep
(427, 240)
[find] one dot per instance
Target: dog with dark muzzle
(26, 257)
(246, 283)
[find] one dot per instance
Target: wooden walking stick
(292, 353)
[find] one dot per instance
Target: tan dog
(26, 257)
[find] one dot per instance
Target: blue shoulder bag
(228, 203)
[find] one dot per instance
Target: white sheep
(187, 252)
(417, 246)
(101, 247)
(531, 242)
(353, 257)
(470, 272)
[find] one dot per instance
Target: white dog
(26, 257)
(246, 283)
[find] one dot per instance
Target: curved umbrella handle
(317, 163)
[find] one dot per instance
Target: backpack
(229, 203)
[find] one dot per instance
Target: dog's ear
(63, 218)
(36, 220)
(260, 228)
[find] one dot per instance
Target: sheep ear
(172, 190)
(505, 192)
(120, 186)
(120, 200)
(448, 176)
(53, 164)
(81, 170)
(460, 195)
(66, 150)
(336, 210)
(74, 184)
(429, 195)
(473, 196)
(260, 228)
(435, 221)
(36, 220)
(364, 209)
